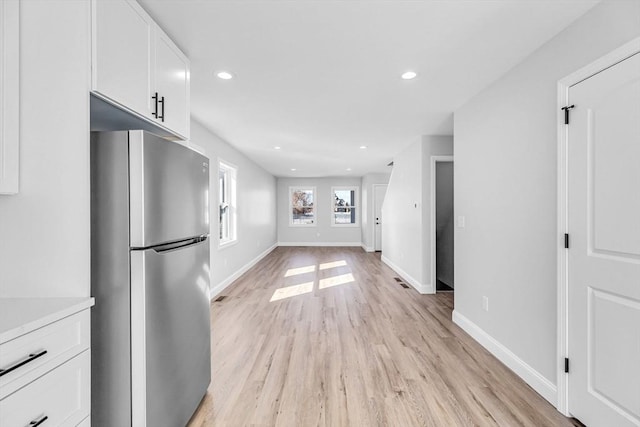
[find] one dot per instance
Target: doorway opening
(442, 224)
(379, 190)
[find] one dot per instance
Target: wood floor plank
(328, 337)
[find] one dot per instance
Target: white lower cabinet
(45, 362)
(59, 398)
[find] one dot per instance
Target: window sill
(302, 225)
(345, 225)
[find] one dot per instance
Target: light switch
(461, 221)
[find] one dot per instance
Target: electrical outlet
(485, 303)
(461, 221)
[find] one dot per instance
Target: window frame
(230, 172)
(311, 188)
(357, 207)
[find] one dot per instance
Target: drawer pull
(38, 422)
(31, 358)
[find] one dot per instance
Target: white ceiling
(321, 78)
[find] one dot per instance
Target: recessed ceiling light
(224, 75)
(276, 148)
(409, 75)
(363, 147)
(293, 169)
(348, 169)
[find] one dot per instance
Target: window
(227, 203)
(302, 206)
(344, 211)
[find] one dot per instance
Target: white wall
(433, 145)
(505, 186)
(45, 229)
(368, 208)
(323, 233)
(256, 210)
(402, 232)
(406, 234)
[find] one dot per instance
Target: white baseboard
(367, 248)
(215, 291)
(350, 244)
(532, 377)
(423, 288)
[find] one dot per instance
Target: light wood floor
(346, 345)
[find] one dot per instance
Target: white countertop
(19, 316)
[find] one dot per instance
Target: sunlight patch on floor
(292, 291)
(334, 264)
(336, 280)
(300, 270)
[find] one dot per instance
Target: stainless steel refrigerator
(151, 362)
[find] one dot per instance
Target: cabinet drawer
(61, 340)
(62, 396)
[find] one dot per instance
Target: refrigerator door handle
(180, 244)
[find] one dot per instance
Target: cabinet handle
(29, 359)
(155, 111)
(38, 422)
(161, 117)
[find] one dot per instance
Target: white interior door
(604, 252)
(378, 197)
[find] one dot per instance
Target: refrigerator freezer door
(169, 191)
(171, 341)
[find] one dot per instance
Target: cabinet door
(172, 83)
(122, 54)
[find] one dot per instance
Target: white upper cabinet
(136, 66)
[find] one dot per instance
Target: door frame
(373, 189)
(434, 161)
(618, 55)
